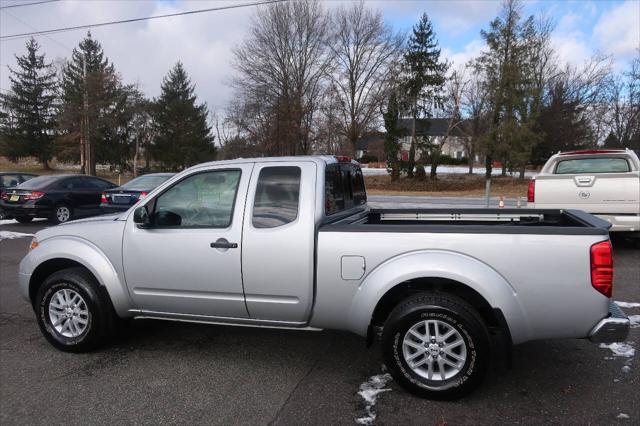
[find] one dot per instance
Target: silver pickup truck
(291, 243)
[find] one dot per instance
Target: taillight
(142, 195)
(103, 198)
(33, 195)
(4, 195)
(531, 191)
(602, 267)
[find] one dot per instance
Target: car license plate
(121, 199)
(14, 198)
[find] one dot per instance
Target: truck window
(592, 165)
(277, 196)
(343, 187)
(333, 193)
(200, 200)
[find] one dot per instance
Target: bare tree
(451, 111)
(475, 105)
(281, 68)
(363, 47)
(624, 104)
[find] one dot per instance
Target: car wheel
(23, 219)
(436, 346)
(61, 213)
(74, 313)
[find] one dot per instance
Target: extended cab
(605, 183)
(291, 243)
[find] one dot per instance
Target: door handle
(223, 244)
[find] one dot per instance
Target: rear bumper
(625, 223)
(613, 328)
(29, 209)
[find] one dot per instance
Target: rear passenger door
(278, 242)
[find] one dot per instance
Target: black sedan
(11, 179)
(121, 198)
(59, 198)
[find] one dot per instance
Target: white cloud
(143, 51)
(459, 59)
(618, 30)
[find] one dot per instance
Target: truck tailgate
(595, 193)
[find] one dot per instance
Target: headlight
(34, 243)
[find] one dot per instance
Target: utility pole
(88, 151)
(83, 122)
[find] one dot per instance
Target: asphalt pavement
(168, 372)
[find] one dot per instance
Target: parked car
(290, 243)
(11, 179)
(123, 197)
(605, 183)
(59, 198)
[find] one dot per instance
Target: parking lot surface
(170, 372)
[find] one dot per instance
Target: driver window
(201, 200)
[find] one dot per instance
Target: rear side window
(592, 165)
(344, 188)
(277, 197)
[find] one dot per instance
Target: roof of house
(368, 138)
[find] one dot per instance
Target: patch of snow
(620, 349)
(622, 416)
(628, 304)
(634, 320)
(9, 235)
(7, 221)
(369, 391)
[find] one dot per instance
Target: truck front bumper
(613, 328)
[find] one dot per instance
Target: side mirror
(141, 217)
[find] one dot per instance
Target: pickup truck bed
(512, 221)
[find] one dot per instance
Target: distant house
(436, 128)
(371, 143)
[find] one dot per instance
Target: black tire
(23, 219)
(451, 312)
(100, 317)
(58, 218)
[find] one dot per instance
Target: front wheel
(436, 346)
(74, 313)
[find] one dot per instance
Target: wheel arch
(438, 271)
(59, 253)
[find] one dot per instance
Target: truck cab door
(187, 261)
(279, 240)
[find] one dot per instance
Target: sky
(144, 52)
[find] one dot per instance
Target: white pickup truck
(291, 243)
(605, 183)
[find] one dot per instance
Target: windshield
(38, 182)
(592, 165)
(144, 182)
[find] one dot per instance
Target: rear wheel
(436, 346)
(23, 219)
(61, 213)
(74, 313)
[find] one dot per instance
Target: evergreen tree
(91, 92)
(182, 134)
(424, 77)
(28, 118)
